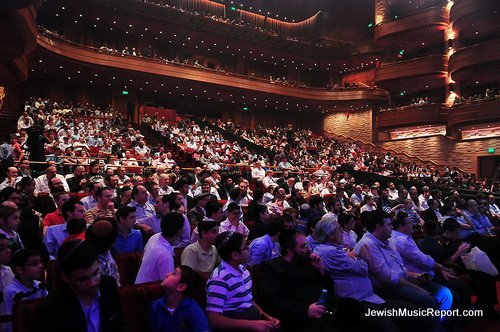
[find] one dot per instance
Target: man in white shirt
(42, 182)
(158, 259)
(269, 180)
(258, 173)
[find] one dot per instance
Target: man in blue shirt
(387, 271)
(128, 239)
(177, 310)
(415, 260)
(481, 222)
(266, 247)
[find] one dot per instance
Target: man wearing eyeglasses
(88, 301)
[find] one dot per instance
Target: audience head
(9, 219)
(214, 211)
(126, 216)
(232, 247)
(102, 234)
(79, 267)
(72, 209)
(379, 224)
(182, 280)
(27, 263)
(208, 230)
(171, 225)
(294, 246)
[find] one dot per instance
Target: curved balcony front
(475, 18)
(412, 75)
(410, 32)
(474, 113)
(415, 115)
(92, 57)
(477, 63)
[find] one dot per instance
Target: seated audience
(158, 258)
(177, 310)
(202, 255)
(87, 301)
(128, 239)
(266, 247)
(230, 304)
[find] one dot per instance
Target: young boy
(28, 267)
(202, 255)
(230, 304)
(177, 310)
(128, 239)
(9, 221)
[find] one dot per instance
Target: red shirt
(53, 218)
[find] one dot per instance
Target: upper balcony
(412, 75)
(414, 115)
(154, 71)
(477, 63)
(411, 32)
(474, 113)
(474, 18)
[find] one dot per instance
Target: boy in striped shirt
(230, 304)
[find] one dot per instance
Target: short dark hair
(399, 220)
(75, 255)
(312, 221)
(190, 278)
(375, 218)
(227, 243)
(287, 240)
(69, 206)
(205, 226)
(232, 206)
(99, 191)
(123, 212)
(212, 207)
(123, 190)
(315, 200)
(451, 225)
(21, 257)
(274, 227)
(171, 198)
(76, 226)
(171, 224)
(6, 212)
(344, 218)
(234, 193)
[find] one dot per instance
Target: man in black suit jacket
(84, 287)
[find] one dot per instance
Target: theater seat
(24, 315)
(53, 275)
(128, 266)
(135, 300)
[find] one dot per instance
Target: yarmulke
(102, 228)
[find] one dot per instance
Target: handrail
(394, 152)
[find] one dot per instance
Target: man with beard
(225, 188)
(289, 286)
(77, 182)
(88, 301)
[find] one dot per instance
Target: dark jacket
(286, 291)
(61, 311)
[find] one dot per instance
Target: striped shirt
(229, 289)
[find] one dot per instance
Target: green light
(124, 92)
(233, 8)
(370, 25)
(395, 16)
(245, 108)
(402, 93)
(401, 52)
(491, 150)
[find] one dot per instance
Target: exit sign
(491, 150)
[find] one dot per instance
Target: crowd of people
(489, 93)
(296, 149)
(283, 247)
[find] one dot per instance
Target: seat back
(128, 267)
(177, 257)
(24, 315)
(135, 302)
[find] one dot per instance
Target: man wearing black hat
(196, 214)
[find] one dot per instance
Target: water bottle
(323, 298)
